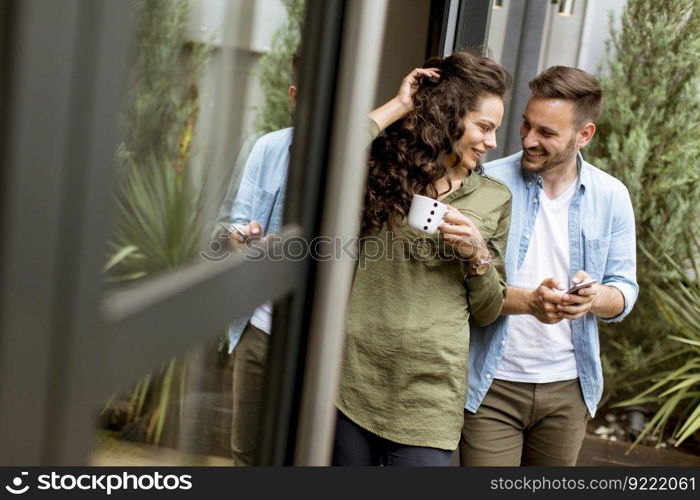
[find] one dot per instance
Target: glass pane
(207, 79)
(206, 145)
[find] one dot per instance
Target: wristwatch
(479, 267)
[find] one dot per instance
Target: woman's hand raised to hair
(410, 84)
(402, 103)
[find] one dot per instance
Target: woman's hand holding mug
(460, 232)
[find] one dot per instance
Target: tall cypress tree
(648, 139)
(275, 71)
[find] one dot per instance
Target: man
(535, 374)
(257, 208)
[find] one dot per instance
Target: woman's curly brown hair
(411, 154)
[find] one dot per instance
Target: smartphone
(584, 284)
(233, 227)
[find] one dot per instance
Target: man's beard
(550, 161)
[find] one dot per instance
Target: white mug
(426, 214)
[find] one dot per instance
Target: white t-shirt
(262, 317)
(537, 352)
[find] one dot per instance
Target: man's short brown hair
(583, 89)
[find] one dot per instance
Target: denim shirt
(260, 197)
(601, 242)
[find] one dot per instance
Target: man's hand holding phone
(544, 300)
(577, 303)
(238, 234)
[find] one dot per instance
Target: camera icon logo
(16, 488)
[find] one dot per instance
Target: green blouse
(404, 374)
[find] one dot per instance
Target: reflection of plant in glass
(677, 388)
(647, 138)
(158, 201)
(275, 75)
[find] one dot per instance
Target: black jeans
(355, 446)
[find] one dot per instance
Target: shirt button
(488, 375)
(535, 201)
(503, 342)
(527, 236)
(529, 184)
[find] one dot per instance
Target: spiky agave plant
(677, 389)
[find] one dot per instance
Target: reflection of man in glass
(257, 208)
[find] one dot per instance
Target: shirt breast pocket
(595, 257)
(485, 225)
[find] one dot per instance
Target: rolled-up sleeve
(372, 131)
(236, 206)
(242, 207)
(621, 264)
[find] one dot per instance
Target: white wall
(497, 30)
(242, 24)
(270, 15)
(596, 32)
(577, 41)
(562, 37)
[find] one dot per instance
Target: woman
(403, 386)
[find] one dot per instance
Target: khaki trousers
(525, 424)
(249, 359)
